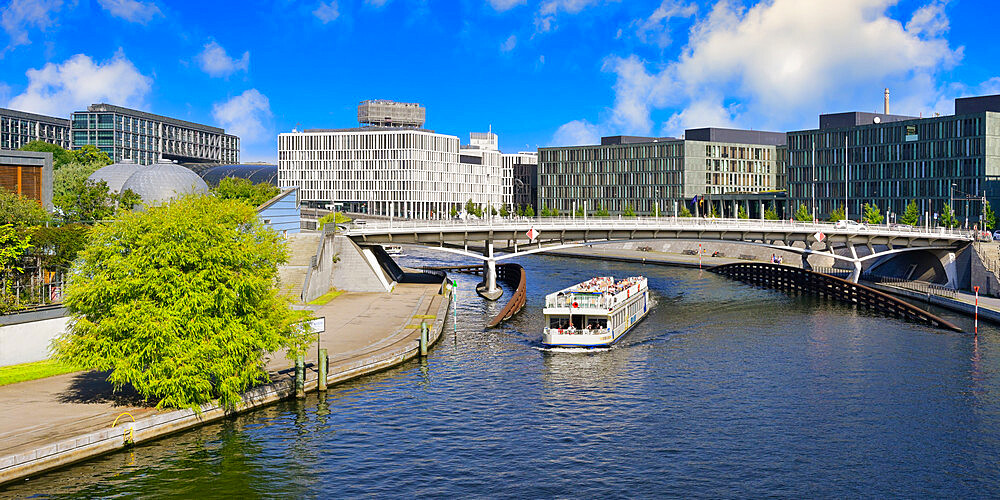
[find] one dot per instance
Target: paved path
(38, 413)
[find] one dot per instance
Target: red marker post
(976, 288)
(699, 255)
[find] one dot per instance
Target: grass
(327, 297)
(34, 371)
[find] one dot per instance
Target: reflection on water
(722, 391)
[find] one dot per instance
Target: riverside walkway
(58, 420)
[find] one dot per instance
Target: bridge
(501, 239)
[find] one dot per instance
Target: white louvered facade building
(402, 172)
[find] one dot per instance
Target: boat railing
(582, 301)
(577, 331)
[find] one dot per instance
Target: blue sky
(546, 72)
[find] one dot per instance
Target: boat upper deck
(601, 292)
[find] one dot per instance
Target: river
(723, 391)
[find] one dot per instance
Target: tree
(65, 179)
(18, 210)
(837, 214)
(656, 210)
(453, 212)
(181, 302)
(493, 211)
(770, 213)
(802, 214)
(579, 211)
(60, 156)
(529, 211)
(13, 244)
(685, 212)
(601, 212)
(871, 214)
(742, 213)
(470, 207)
(947, 218)
(911, 216)
(520, 211)
(87, 201)
(233, 188)
(629, 211)
(504, 212)
(90, 155)
(712, 213)
(989, 217)
(333, 217)
(56, 247)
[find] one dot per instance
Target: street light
(951, 204)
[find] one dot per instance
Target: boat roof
(598, 286)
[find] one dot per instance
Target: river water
(723, 391)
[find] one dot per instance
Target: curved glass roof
(254, 173)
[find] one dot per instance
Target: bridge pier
(856, 273)
(488, 289)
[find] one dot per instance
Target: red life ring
(575, 305)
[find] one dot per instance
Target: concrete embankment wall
(26, 337)
(394, 350)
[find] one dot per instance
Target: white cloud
(508, 44)
(929, 20)
(545, 18)
(18, 15)
(990, 87)
(245, 115)
(502, 5)
(327, 12)
(216, 62)
(131, 10)
(781, 63)
(658, 23)
(376, 3)
(4, 92)
(59, 89)
(577, 133)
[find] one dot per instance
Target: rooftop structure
(163, 181)
(116, 174)
(386, 113)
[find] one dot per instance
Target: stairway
(301, 249)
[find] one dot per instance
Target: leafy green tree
(771, 213)
(333, 217)
(453, 212)
(685, 212)
(947, 218)
(871, 214)
(181, 302)
(629, 211)
(989, 217)
(520, 211)
(18, 210)
(493, 211)
(529, 211)
(233, 188)
(504, 212)
(911, 216)
(470, 207)
(579, 211)
(601, 212)
(802, 214)
(742, 213)
(87, 201)
(56, 247)
(60, 156)
(712, 213)
(13, 244)
(90, 155)
(837, 214)
(67, 178)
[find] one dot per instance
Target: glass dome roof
(115, 174)
(162, 181)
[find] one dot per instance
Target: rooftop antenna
(886, 101)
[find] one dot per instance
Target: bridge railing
(543, 223)
(916, 286)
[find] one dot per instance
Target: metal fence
(33, 293)
(916, 286)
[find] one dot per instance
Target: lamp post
(951, 204)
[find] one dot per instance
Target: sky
(539, 72)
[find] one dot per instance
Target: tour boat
(393, 249)
(595, 313)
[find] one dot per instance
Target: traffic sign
(532, 234)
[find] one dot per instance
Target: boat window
(599, 323)
(578, 322)
(558, 322)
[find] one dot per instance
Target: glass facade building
(146, 138)
(888, 160)
(648, 173)
(18, 128)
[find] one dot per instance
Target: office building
(18, 128)
(888, 160)
(28, 174)
(399, 171)
(383, 113)
(146, 138)
(648, 174)
(524, 172)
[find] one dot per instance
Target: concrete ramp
(358, 269)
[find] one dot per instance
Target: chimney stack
(886, 111)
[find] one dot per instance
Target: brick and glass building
(18, 128)
(146, 138)
(857, 158)
(646, 173)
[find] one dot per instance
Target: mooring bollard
(423, 337)
(324, 365)
(300, 377)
